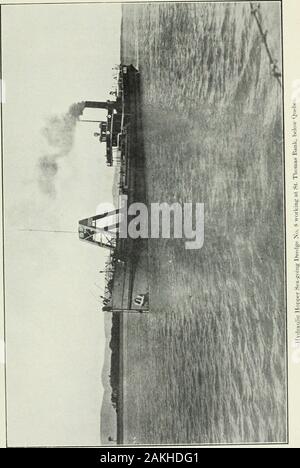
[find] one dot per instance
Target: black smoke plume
(59, 135)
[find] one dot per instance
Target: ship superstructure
(118, 133)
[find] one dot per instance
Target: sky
(54, 56)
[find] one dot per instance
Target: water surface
(208, 364)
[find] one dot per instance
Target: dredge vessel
(121, 132)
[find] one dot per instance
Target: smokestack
(96, 104)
